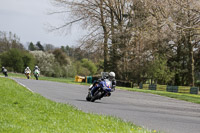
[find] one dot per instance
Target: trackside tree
(136, 35)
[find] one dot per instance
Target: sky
(30, 21)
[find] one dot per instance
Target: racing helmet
(36, 67)
(111, 75)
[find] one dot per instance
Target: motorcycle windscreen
(107, 84)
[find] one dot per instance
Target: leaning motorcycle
(103, 91)
(36, 74)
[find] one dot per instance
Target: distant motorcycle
(36, 74)
(5, 72)
(28, 74)
(104, 90)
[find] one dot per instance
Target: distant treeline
(55, 62)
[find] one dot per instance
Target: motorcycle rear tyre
(88, 98)
(95, 97)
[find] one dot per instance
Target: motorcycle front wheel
(36, 76)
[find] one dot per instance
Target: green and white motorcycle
(36, 74)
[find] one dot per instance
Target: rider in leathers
(97, 84)
(27, 70)
(4, 71)
(36, 67)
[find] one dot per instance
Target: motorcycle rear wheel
(88, 98)
(95, 97)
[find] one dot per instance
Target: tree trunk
(105, 49)
(191, 64)
(190, 48)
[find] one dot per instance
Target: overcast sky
(28, 19)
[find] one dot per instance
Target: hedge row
(176, 89)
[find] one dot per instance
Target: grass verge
(186, 97)
(63, 80)
(23, 111)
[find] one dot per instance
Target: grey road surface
(147, 110)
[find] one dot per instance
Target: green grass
(63, 80)
(19, 75)
(186, 97)
(22, 111)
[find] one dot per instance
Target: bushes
(51, 65)
(46, 62)
(56, 64)
(88, 64)
(16, 60)
(28, 60)
(85, 67)
(159, 71)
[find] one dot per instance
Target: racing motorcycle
(36, 74)
(104, 90)
(5, 72)
(28, 74)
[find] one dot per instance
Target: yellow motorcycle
(28, 74)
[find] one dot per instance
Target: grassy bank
(63, 80)
(186, 97)
(23, 111)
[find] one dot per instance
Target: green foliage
(31, 47)
(71, 71)
(45, 61)
(17, 60)
(159, 70)
(39, 45)
(69, 51)
(0, 62)
(100, 66)
(28, 60)
(85, 67)
(57, 70)
(55, 65)
(84, 71)
(89, 65)
(61, 57)
(13, 60)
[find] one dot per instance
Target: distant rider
(97, 84)
(36, 68)
(4, 71)
(27, 70)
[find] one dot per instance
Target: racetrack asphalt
(147, 110)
